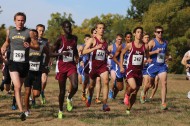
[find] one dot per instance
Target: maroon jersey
(136, 57)
(66, 63)
(98, 59)
(135, 64)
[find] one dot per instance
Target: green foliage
(2, 34)
(172, 15)
(139, 7)
(54, 25)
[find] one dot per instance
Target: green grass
(148, 114)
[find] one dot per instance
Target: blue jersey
(118, 73)
(159, 59)
(85, 60)
(113, 53)
(125, 58)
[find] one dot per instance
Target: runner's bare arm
(151, 44)
(118, 51)
(76, 54)
(127, 48)
(90, 43)
(55, 48)
(46, 51)
(147, 53)
(110, 48)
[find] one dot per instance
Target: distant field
(148, 114)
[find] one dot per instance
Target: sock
(42, 93)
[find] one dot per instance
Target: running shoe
(60, 115)
(33, 104)
(128, 111)
(22, 116)
(88, 101)
(97, 101)
(105, 108)
(142, 98)
(2, 87)
(110, 95)
(43, 100)
(83, 97)
(126, 99)
(148, 99)
(69, 105)
(27, 113)
(14, 107)
(164, 106)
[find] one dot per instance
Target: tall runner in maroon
(97, 46)
(134, 68)
(65, 48)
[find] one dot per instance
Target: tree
(2, 34)
(174, 16)
(54, 25)
(139, 7)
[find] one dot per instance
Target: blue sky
(39, 11)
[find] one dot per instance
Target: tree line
(172, 15)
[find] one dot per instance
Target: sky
(39, 11)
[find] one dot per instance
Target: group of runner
(127, 63)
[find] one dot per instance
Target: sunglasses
(160, 32)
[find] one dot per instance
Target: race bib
(69, 57)
(34, 66)
(137, 59)
(125, 62)
(19, 55)
(160, 58)
(100, 55)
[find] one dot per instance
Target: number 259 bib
(19, 55)
(137, 59)
(100, 55)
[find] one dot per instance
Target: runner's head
(66, 25)
(86, 37)
(40, 28)
(159, 32)
(119, 38)
(19, 19)
(93, 32)
(138, 33)
(146, 37)
(35, 33)
(100, 28)
(128, 37)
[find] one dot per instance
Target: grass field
(148, 114)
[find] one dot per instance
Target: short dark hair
(134, 31)
(64, 22)
(92, 30)
(40, 25)
(20, 14)
(101, 24)
(128, 33)
(158, 27)
(145, 33)
(34, 30)
(87, 35)
(120, 35)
